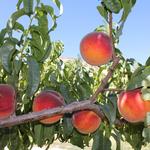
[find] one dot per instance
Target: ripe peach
(7, 100)
(131, 105)
(96, 48)
(46, 100)
(86, 121)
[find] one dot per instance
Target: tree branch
(105, 80)
(33, 116)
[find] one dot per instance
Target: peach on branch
(131, 105)
(86, 121)
(46, 100)
(96, 48)
(7, 100)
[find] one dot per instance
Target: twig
(105, 80)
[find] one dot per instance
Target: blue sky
(81, 17)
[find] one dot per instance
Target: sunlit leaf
(59, 5)
(28, 6)
(113, 5)
(16, 15)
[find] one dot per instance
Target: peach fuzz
(46, 100)
(7, 100)
(96, 48)
(86, 121)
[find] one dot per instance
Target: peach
(86, 121)
(131, 105)
(46, 100)
(7, 100)
(96, 48)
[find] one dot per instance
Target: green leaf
(2, 35)
(148, 62)
(67, 127)
(16, 15)
(48, 133)
(77, 139)
(33, 76)
(127, 6)
(38, 134)
(18, 4)
(141, 77)
(146, 93)
(103, 12)
(42, 27)
(50, 11)
(100, 141)
(6, 52)
(110, 108)
(17, 65)
(28, 6)
(60, 6)
(18, 26)
(113, 5)
(47, 52)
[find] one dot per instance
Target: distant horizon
(79, 19)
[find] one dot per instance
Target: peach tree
(44, 98)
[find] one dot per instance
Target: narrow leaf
(17, 65)
(113, 5)
(33, 76)
(103, 12)
(67, 127)
(48, 133)
(98, 141)
(6, 52)
(59, 5)
(148, 62)
(18, 26)
(28, 6)
(16, 15)
(2, 35)
(38, 134)
(18, 4)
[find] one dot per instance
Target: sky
(81, 17)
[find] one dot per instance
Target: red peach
(86, 121)
(47, 100)
(131, 105)
(96, 48)
(7, 100)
